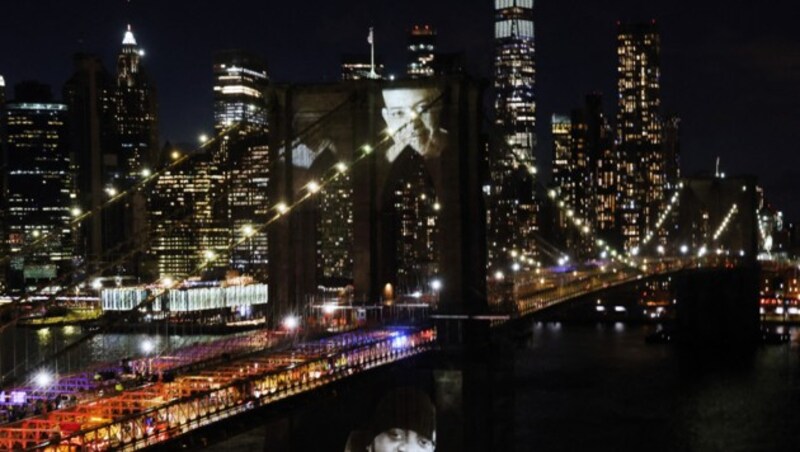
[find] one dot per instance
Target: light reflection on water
(19, 346)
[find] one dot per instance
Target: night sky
(731, 71)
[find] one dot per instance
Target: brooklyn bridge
(288, 340)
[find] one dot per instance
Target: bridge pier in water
(719, 306)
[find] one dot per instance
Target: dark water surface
(600, 387)
(22, 348)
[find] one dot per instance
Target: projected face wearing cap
(412, 118)
(404, 421)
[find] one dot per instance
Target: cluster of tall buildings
(69, 160)
(513, 209)
(92, 192)
(208, 212)
(74, 159)
(619, 177)
(614, 176)
(79, 198)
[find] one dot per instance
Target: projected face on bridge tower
(412, 118)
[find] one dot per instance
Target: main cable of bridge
(281, 209)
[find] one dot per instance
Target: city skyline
(729, 64)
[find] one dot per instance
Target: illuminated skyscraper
(639, 130)
(421, 52)
(584, 174)
(239, 162)
(135, 111)
(211, 210)
(335, 232)
(172, 205)
(415, 212)
(114, 136)
(135, 115)
(3, 248)
(240, 82)
(39, 187)
(513, 207)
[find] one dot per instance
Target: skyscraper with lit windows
(135, 119)
(240, 83)
(639, 130)
(421, 51)
(114, 136)
(240, 161)
(584, 175)
(135, 110)
(39, 187)
(513, 207)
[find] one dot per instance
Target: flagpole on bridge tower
(371, 40)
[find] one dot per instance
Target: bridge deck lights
(282, 208)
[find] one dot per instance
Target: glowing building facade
(416, 230)
(172, 204)
(114, 137)
(585, 175)
(238, 163)
(643, 176)
(421, 52)
(513, 207)
(39, 188)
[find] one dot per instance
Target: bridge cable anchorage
(281, 210)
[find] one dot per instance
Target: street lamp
(282, 208)
(43, 379)
(291, 322)
(248, 230)
(147, 348)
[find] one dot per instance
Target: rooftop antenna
(371, 40)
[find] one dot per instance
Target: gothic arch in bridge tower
(409, 233)
(380, 129)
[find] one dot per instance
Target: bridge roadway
(537, 292)
(231, 376)
(151, 413)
